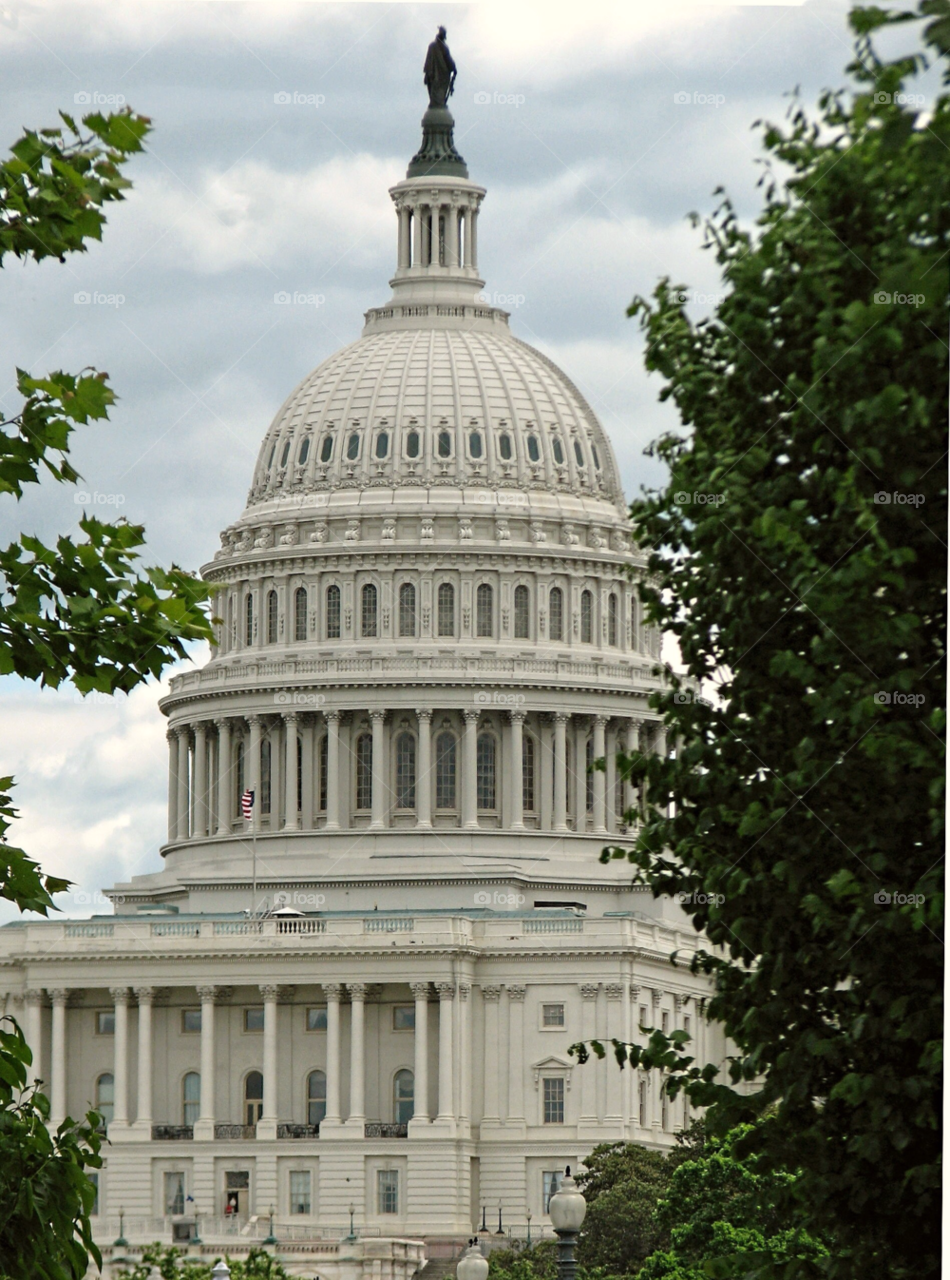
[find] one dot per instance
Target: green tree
(623, 1184)
(174, 1264)
(79, 610)
(798, 556)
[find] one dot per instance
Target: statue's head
(442, 33)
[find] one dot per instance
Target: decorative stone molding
(517, 994)
(446, 990)
(491, 993)
(614, 991)
(589, 990)
(120, 995)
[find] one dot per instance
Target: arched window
(412, 444)
(316, 1097)
(285, 453)
(593, 449)
(333, 613)
(238, 777)
(589, 768)
(446, 609)
(266, 775)
(504, 446)
(587, 618)
(484, 622)
(485, 770)
(304, 453)
(364, 771)
(272, 617)
(612, 619)
(270, 456)
(249, 619)
(190, 1097)
(382, 444)
(368, 610)
(527, 773)
(405, 771)
(353, 447)
(558, 451)
(299, 775)
(534, 453)
(300, 613)
(475, 444)
(322, 789)
(105, 1096)
(253, 1097)
(407, 609)
(326, 449)
(522, 621)
(579, 453)
(556, 614)
(403, 1096)
(445, 445)
(445, 756)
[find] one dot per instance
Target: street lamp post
(471, 1265)
(567, 1209)
(528, 1217)
(271, 1238)
(221, 1270)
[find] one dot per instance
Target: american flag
(247, 805)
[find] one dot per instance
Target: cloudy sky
(572, 115)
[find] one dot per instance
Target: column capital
(333, 990)
(589, 990)
(144, 995)
(600, 721)
(446, 990)
(471, 715)
(183, 731)
(614, 991)
(171, 735)
(269, 990)
(420, 990)
(200, 726)
(120, 995)
(333, 716)
(634, 994)
(254, 720)
(517, 994)
(656, 995)
(357, 990)
(291, 717)
(207, 995)
(59, 996)
(424, 713)
(34, 996)
(222, 721)
(678, 999)
(377, 714)
(491, 994)
(517, 716)
(561, 717)
(465, 989)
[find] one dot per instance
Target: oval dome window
(304, 451)
(326, 451)
(475, 444)
(285, 453)
(534, 453)
(504, 446)
(558, 451)
(382, 444)
(412, 444)
(270, 459)
(593, 450)
(445, 444)
(353, 447)
(578, 453)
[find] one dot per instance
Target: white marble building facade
(429, 627)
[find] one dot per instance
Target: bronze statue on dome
(440, 70)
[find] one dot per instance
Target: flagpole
(253, 856)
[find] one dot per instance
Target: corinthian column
(57, 1113)
(254, 770)
(225, 798)
(420, 1087)
(267, 1125)
(357, 1114)
(632, 747)
(470, 771)
(446, 1045)
(204, 1129)
(424, 772)
(517, 770)
(171, 738)
(377, 822)
(333, 771)
(291, 821)
(600, 778)
(516, 995)
(491, 997)
(333, 991)
(183, 805)
(201, 780)
(143, 1116)
(560, 771)
(120, 1106)
(34, 1030)
(589, 1032)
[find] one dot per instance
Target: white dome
(464, 404)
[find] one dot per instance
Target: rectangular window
(190, 1020)
(387, 1191)
(317, 1018)
(94, 1179)
(174, 1194)
(687, 1025)
(665, 1021)
(552, 1015)
(446, 609)
(333, 613)
(324, 759)
(643, 1016)
(300, 1191)
(642, 1101)
(364, 771)
(404, 1017)
(105, 1023)
(254, 1019)
(553, 1100)
(550, 1182)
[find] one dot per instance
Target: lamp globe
(567, 1206)
(472, 1265)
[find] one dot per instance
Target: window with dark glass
(527, 773)
(553, 1100)
(249, 619)
(403, 1102)
(326, 449)
(317, 1018)
(265, 775)
(412, 444)
(387, 1185)
(285, 453)
(333, 613)
(587, 617)
(446, 619)
(556, 614)
(612, 619)
(300, 613)
(353, 447)
(484, 621)
(589, 774)
(558, 451)
(445, 445)
(368, 610)
(270, 456)
(522, 618)
(407, 609)
(300, 1189)
(253, 1097)
(485, 770)
(534, 453)
(405, 771)
(445, 757)
(105, 1096)
(475, 444)
(504, 446)
(382, 444)
(364, 771)
(304, 451)
(579, 453)
(272, 617)
(596, 455)
(316, 1097)
(324, 757)
(190, 1097)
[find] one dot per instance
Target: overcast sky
(592, 161)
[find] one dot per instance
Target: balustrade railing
(298, 1131)
(172, 1132)
(374, 1130)
(230, 1132)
